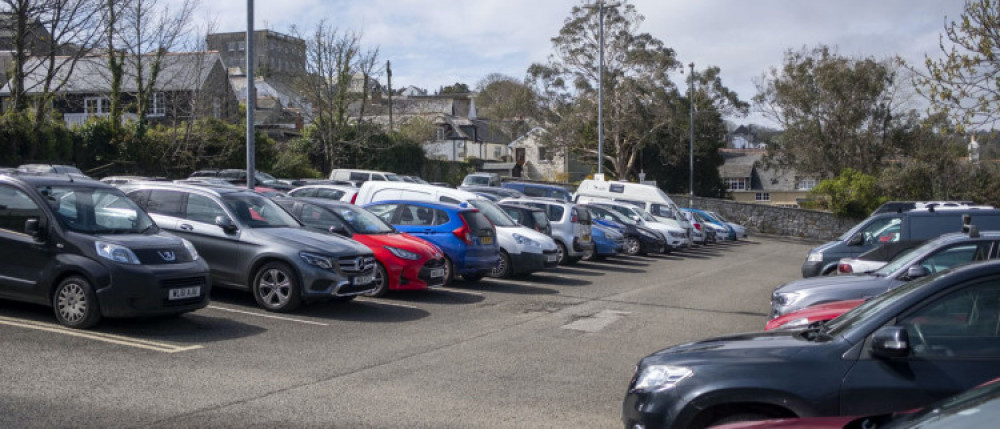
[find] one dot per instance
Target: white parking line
(453, 290)
(381, 302)
(97, 336)
(268, 316)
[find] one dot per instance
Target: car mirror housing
(855, 240)
(916, 272)
(33, 228)
(890, 342)
(225, 223)
(341, 230)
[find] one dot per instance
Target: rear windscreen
(478, 223)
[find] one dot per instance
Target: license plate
(363, 280)
(553, 258)
(586, 238)
(486, 240)
(437, 272)
(184, 293)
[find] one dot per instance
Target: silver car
(571, 227)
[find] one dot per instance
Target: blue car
(467, 238)
(607, 241)
(731, 233)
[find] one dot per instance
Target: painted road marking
(596, 322)
(453, 290)
(98, 336)
(268, 316)
(381, 302)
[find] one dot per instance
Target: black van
(914, 225)
(85, 249)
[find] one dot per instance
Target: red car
(808, 316)
(405, 262)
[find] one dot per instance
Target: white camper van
(523, 250)
(650, 198)
(358, 176)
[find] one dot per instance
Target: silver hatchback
(571, 227)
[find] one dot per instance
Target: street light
(600, 84)
(691, 144)
(251, 100)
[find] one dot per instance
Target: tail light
(354, 199)
(697, 226)
(575, 218)
(463, 232)
(845, 268)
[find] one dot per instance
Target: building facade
(277, 55)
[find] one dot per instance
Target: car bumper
(144, 290)
(415, 275)
(580, 247)
(647, 411)
(527, 262)
(650, 245)
(812, 269)
(320, 283)
(475, 262)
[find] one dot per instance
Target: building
(278, 55)
(749, 180)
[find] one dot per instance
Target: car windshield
(265, 178)
(493, 212)
(646, 216)
(974, 408)
(477, 180)
(848, 320)
(257, 211)
(393, 178)
(96, 211)
(905, 259)
(604, 213)
(361, 220)
(719, 217)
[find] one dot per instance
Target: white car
(328, 192)
(676, 237)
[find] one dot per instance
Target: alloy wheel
(72, 303)
(275, 288)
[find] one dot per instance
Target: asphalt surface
(551, 350)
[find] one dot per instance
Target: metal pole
(691, 145)
(251, 100)
(600, 92)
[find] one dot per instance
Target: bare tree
(369, 67)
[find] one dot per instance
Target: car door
(220, 248)
(955, 341)
(23, 258)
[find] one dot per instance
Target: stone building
(748, 180)
(277, 55)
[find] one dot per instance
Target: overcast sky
(435, 43)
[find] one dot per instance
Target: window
(364, 177)
(241, 46)
(737, 183)
(167, 203)
(762, 196)
(449, 200)
(202, 209)
(884, 230)
(157, 105)
(957, 255)
(440, 133)
(16, 208)
(303, 193)
(384, 211)
(544, 154)
(805, 183)
(216, 108)
(419, 216)
(963, 324)
(96, 105)
(330, 194)
(317, 217)
(514, 214)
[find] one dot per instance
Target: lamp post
(251, 100)
(691, 144)
(600, 84)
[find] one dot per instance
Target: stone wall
(761, 218)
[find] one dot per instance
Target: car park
(464, 234)
(539, 190)
(913, 225)
(86, 250)
(936, 255)
(639, 240)
(648, 197)
(481, 179)
(404, 262)
(327, 192)
(674, 236)
(570, 227)
(920, 342)
(531, 217)
(250, 243)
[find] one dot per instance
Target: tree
(964, 83)
(836, 112)
(457, 88)
(511, 105)
(852, 194)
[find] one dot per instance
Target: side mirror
(341, 230)
(890, 342)
(856, 240)
(916, 272)
(33, 228)
(225, 223)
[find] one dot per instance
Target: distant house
(541, 162)
(279, 110)
(748, 180)
(190, 85)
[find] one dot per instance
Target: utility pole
(388, 72)
(691, 145)
(600, 84)
(251, 100)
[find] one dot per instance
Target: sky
(436, 43)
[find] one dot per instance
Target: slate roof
(747, 163)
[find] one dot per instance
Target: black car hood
(859, 282)
(744, 348)
(160, 240)
(312, 241)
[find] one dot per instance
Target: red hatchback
(405, 262)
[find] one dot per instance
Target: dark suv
(84, 248)
(253, 244)
(925, 340)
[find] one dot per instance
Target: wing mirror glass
(890, 342)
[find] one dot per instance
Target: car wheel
(472, 278)
(632, 246)
(381, 281)
(449, 271)
(562, 255)
(75, 303)
(275, 287)
(589, 255)
(502, 269)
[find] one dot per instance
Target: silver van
(571, 228)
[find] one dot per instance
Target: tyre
(472, 278)
(563, 255)
(589, 255)
(502, 270)
(75, 303)
(632, 246)
(276, 288)
(381, 281)
(449, 271)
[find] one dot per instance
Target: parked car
(699, 234)
(481, 179)
(121, 180)
(674, 236)
(250, 243)
(522, 250)
(361, 176)
(327, 192)
(936, 255)
(238, 177)
(722, 230)
(83, 248)
(499, 193)
(812, 316)
(875, 258)
(539, 190)
(648, 197)
(923, 341)
(712, 231)
(51, 169)
(404, 262)
(607, 242)
(902, 206)
(570, 227)
(531, 217)
(639, 240)
(464, 234)
(739, 230)
(913, 225)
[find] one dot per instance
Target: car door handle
(428, 231)
(186, 227)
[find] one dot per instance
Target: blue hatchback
(607, 241)
(730, 232)
(467, 238)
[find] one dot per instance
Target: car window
(417, 215)
(532, 191)
(365, 222)
(96, 211)
(957, 255)
(493, 212)
(440, 217)
(560, 194)
(514, 214)
(962, 324)
(319, 217)
(257, 211)
(449, 200)
(359, 176)
(330, 194)
(305, 193)
(383, 211)
(16, 207)
(541, 221)
(167, 203)
(202, 209)
(883, 230)
(661, 210)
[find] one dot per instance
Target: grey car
(251, 243)
(944, 252)
(570, 226)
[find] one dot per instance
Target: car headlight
(313, 259)
(116, 252)
(520, 239)
(661, 377)
(794, 324)
(787, 298)
(403, 254)
(815, 257)
(191, 250)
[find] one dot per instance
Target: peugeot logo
(167, 255)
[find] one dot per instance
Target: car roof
(517, 204)
(546, 200)
(436, 205)
(329, 186)
(62, 179)
(216, 190)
